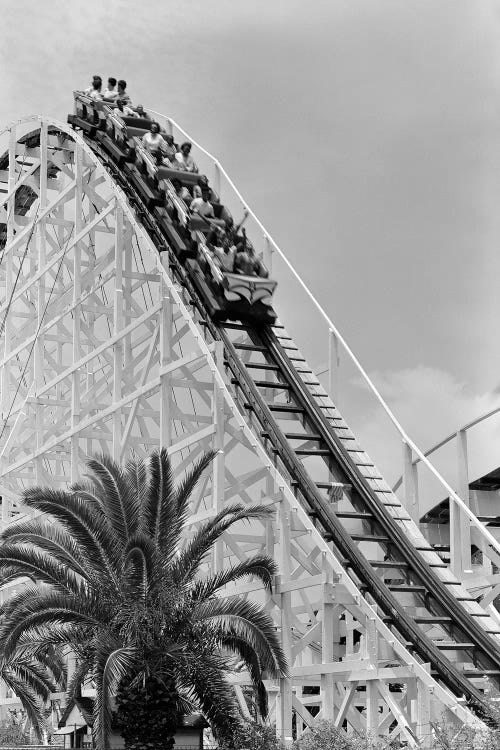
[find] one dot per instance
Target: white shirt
(153, 141)
(187, 163)
(95, 95)
(201, 207)
(110, 94)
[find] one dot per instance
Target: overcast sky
(364, 133)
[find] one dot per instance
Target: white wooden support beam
(166, 332)
(76, 348)
(424, 728)
(117, 327)
(333, 366)
(284, 717)
(410, 483)
(372, 693)
(218, 468)
(327, 635)
(460, 529)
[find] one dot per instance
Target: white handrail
(405, 437)
(444, 441)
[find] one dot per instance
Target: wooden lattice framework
(100, 352)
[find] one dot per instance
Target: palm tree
(121, 589)
(33, 676)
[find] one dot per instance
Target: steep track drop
(341, 489)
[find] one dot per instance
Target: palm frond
(171, 525)
(36, 640)
(247, 621)
(186, 566)
(38, 565)
(34, 608)
(29, 702)
(140, 565)
(110, 669)
(206, 682)
(259, 566)
(89, 529)
(159, 502)
(74, 688)
(137, 476)
(50, 538)
(32, 675)
(247, 654)
(117, 497)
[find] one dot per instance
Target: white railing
(463, 519)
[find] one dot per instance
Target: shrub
(254, 736)
(448, 737)
(324, 735)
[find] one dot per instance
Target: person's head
(155, 128)
(202, 181)
(119, 104)
(96, 78)
(111, 83)
(96, 84)
(122, 85)
(169, 139)
(229, 223)
(177, 185)
(186, 148)
(205, 193)
(140, 110)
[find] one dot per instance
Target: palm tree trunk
(147, 713)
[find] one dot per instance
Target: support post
(284, 714)
(218, 468)
(372, 693)
(166, 329)
(77, 257)
(333, 366)
(460, 531)
(410, 483)
(117, 327)
(327, 641)
(424, 732)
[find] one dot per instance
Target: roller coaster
(119, 334)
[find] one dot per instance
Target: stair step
(302, 436)
(286, 408)
(407, 588)
(320, 485)
(251, 347)
(317, 452)
(271, 384)
(388, 564)
(451, 646)
(369, 538)
(235, 326)
(261, 366)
